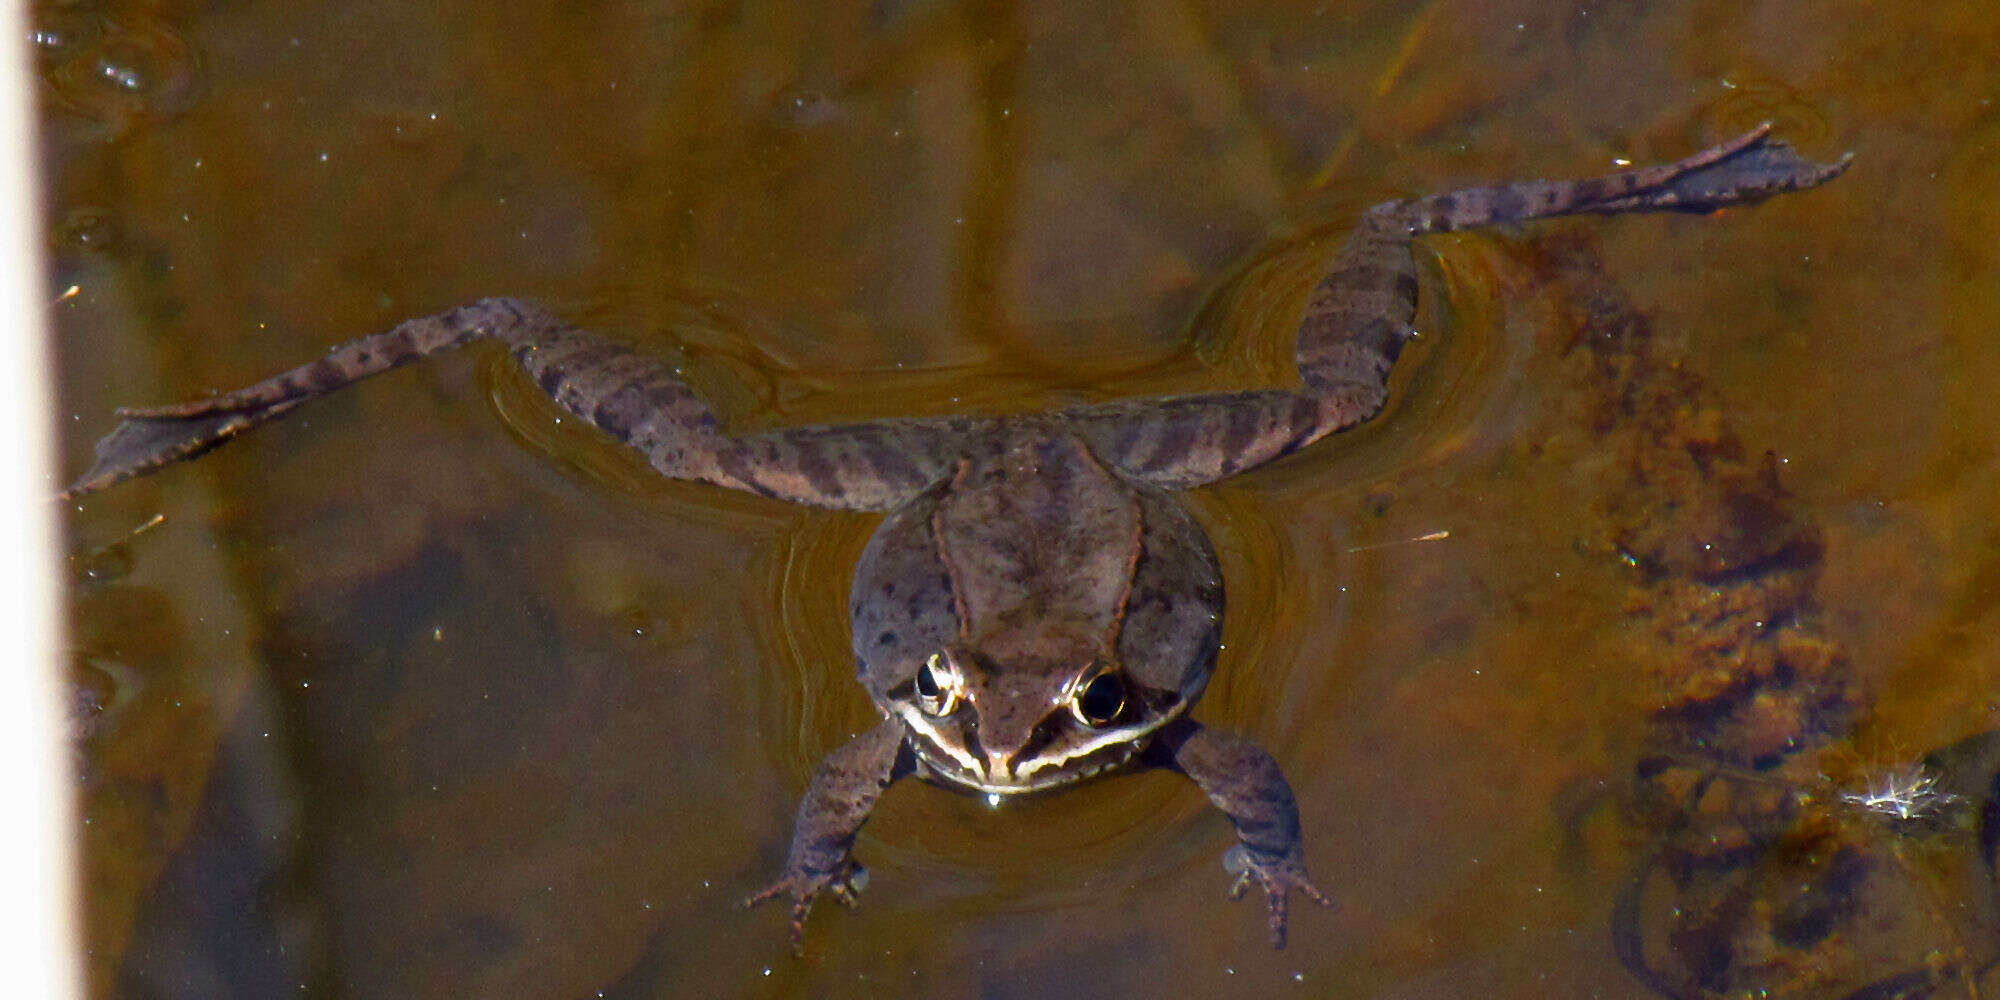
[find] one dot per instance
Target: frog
(1037, 605)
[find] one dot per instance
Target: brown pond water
(420, 693)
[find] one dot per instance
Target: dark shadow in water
(232, 915)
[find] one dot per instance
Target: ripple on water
(84, 229)
(1749, 102)
(117, 72)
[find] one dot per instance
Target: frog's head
(1020, 656)
(1027, 709)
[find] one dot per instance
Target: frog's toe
(1278, 878)
(843, 882)
(1278, 899)
(1312, 892)
(765, 895)
(1275, 910)
(848, 887)
(800, 910)
(1240, 886)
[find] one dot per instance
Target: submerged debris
(1905, 793)
(1763, 880)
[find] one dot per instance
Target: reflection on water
(403, 699)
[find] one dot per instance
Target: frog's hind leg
(1360, 314)
(636, 399)
(150, 438)
(1742, 171)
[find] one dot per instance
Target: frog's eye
(937, 686)
(1100, 700)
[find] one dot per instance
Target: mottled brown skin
(1037, 607)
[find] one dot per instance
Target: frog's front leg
(1245, 783)
(842, 794)
(636, 399)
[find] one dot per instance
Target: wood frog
(1037, 607)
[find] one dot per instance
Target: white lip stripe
(1102, 740)
(973, 773)
(915, 719)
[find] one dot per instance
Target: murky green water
(420, 694)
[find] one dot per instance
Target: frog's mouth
(1053, 766)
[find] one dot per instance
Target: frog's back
(1033, 549)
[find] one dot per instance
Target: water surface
(420, 693)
